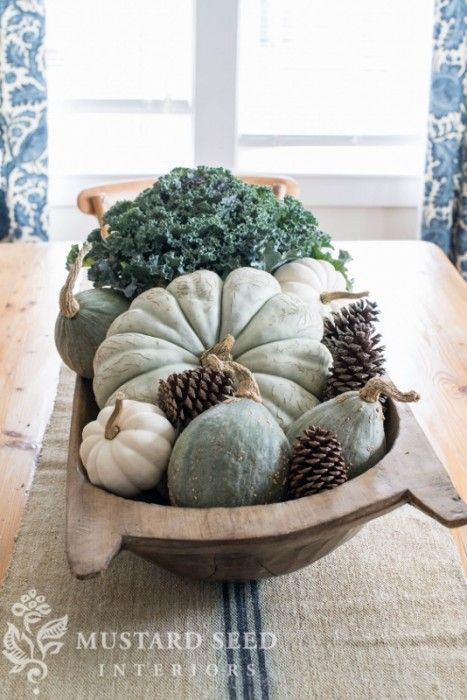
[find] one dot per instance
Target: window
(312, 88)
(120, 86)
(334, 87)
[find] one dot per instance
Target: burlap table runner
(384, 616)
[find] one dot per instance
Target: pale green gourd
(357, 419)
(277, 337)
(84, 319)
(234, 454)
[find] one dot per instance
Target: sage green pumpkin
(277, 336)
(357, 419)
(78, 337)
(84, 320)
(234, 454)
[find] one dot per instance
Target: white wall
(342, 223)
(369, 223)
(69, 224)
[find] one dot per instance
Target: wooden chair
(96, 200)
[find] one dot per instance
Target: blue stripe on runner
(231, 679)
(242, 626)
(263, 672)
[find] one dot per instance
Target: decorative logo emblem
(27, 648)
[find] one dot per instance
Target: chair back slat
(96, 200)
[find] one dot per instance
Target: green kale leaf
(202, 218)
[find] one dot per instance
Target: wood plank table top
(423, 322)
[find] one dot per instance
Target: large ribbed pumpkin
(83, 320)
(277, 337)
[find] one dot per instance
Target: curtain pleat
(23, 121)
(445, 202)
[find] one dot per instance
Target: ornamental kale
(201, 219)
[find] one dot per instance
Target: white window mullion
(215, 94)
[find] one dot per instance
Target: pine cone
(356, 316)
(185, 395)
(316, 464)
(355, 347)
(357, 357)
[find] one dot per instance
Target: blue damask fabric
(445, 205)
(23, 121)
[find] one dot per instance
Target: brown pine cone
(358, 316)
(183, 396)
(317, 463)
(357, 354)
(357, 357)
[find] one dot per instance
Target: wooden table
(424, 324)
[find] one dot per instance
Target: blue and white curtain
(23, 121)
(445, 205)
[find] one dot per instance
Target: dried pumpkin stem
(327, 297)
(222, 350)
(246, 385)
(69, 307)
(111, 427)
(377, 386)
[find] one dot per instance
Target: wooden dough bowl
(253, 541)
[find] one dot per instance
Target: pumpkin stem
(247, 386)
(377, 386)
(69, 307)
(111, 429)
(327, 297)
(222, 350)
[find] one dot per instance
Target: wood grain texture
(250, 542)
(424, 326)
(424, 303)
(30, 279)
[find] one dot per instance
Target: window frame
(215, 131)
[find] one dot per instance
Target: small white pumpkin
(127, 448)
(317, 283)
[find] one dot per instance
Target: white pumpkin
(317, 283)
(277, 337)
(127, 448)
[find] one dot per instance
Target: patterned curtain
(23, 121)
(445, 205)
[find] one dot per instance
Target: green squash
(84, 320)
(357, 419)
(234, 454)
